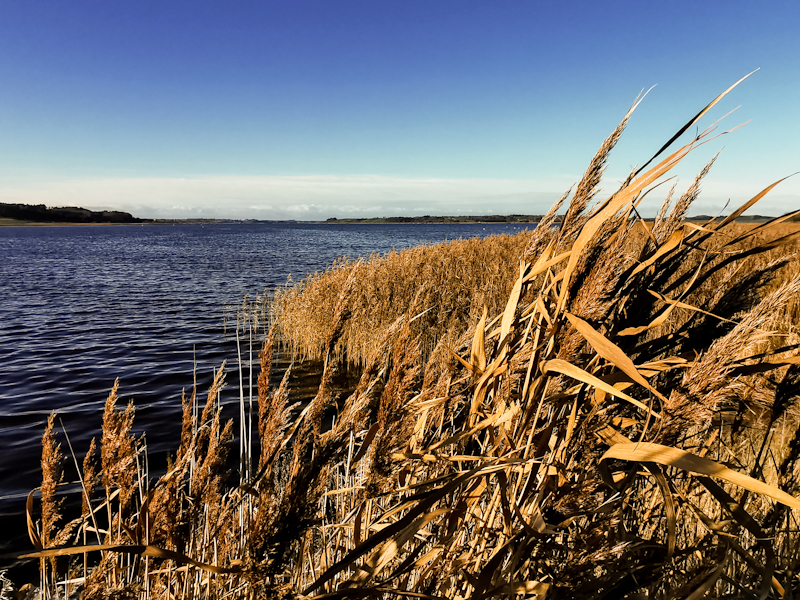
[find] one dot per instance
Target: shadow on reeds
(620, 422)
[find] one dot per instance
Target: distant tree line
(65, 214)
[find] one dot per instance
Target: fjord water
(147, 304)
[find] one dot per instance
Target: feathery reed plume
(117, 452)
(269, 409)
(543, 234)
(208, 478)
(589, 183)
(91, 477)
(658, 222)
(678, 213)
(273, 419)
(706, 385)
(265, 357)
(188, 424)
(210, 449)
(52, 476)
(394, 420)
(211, 399)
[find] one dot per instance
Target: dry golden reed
(452, 282)
(605, 408)
(52, 477)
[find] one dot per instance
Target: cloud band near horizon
(317, 197)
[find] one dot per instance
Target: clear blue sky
(310, 109)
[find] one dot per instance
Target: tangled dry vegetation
(624, 425)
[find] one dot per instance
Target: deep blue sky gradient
(112, 95)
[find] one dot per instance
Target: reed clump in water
(625, 425)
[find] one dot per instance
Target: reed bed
(624, 425)
(447, 284)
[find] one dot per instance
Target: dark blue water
(84, 305)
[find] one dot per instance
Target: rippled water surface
(84, 305)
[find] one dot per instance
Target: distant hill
(39, 213)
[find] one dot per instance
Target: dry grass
(621, 423)
(451, 281)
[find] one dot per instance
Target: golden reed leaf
(673, 242)
(478, 350)
(644, 452)
(565, 368)
(511, 306)
(611, 352)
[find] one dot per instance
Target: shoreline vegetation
(39, 213)
(600, 407)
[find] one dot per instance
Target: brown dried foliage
(622, 422)
(117, 452)
(457, 279)
(52, 477)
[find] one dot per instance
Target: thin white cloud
(290, 197)
(312, 197)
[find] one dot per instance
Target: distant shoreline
(7, 222)
(439, 220)
(39, 213)
(24, 223)
(497, 219)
